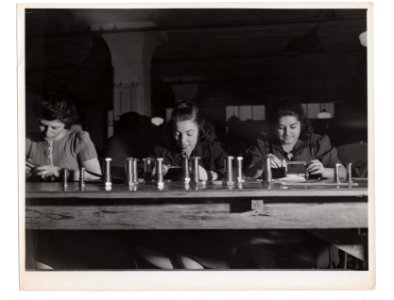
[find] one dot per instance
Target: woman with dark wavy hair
(56, 146)
(189, 134)
(292, 140)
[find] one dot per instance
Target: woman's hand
(30, 167)
(202, 174)
(275, 162)
(315, 167)
(164, 169)
(28, 172)
(48, 172)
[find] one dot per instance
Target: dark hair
(189, 111)
(57, 107)
(289, 107)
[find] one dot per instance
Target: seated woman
(56, 146)
(188, 135)
(292, 140)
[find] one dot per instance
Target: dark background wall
(228, 56)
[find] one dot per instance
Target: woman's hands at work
(164, 169)
(275, 162)
(202, 174)
(315, 167)
(48, 172)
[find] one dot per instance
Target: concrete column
(131, 54)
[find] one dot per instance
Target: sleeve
(326, 153)
(84, 147)
(219, 156)
(165, 154)
(254, 154)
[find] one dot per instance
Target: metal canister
(306, 173)
(336, 173)
(135, 170)
(107, 170)
(185, 169)
(349, 173)
(229, 170)
(65, 176)
(267, 171)
(195, 170)
(129, 171)
(81, 176)
(239, 169)
(159, 171)
(147, 169)
(284, 167)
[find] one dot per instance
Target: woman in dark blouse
(291, 140)
(188, 135)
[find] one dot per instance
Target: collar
(299, 146)
(60, 137)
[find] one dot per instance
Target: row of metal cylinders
(268, 171)
(193, 176)
(131, 171)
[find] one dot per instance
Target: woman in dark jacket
(291, 140)
(188, 135)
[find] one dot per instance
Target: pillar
(131, 54)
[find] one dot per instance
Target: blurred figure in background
(133, 138)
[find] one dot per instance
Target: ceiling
(250, 51)
(204, 34)
(232, 55)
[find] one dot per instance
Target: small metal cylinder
(132, 188)
(229, 170)
(196, 175)
(336, 173)
(107, 170)
(284, 166)
(81, 176)
(129, 171)
(267, 171)
(349, 173)
(185, 169)
(147, 169)
(65, 176)
(159, 171)
(239, 169)
(135, 170)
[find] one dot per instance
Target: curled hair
(56, 107)
(289, 107)
(189, 111)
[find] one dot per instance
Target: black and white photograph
(199, 142)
